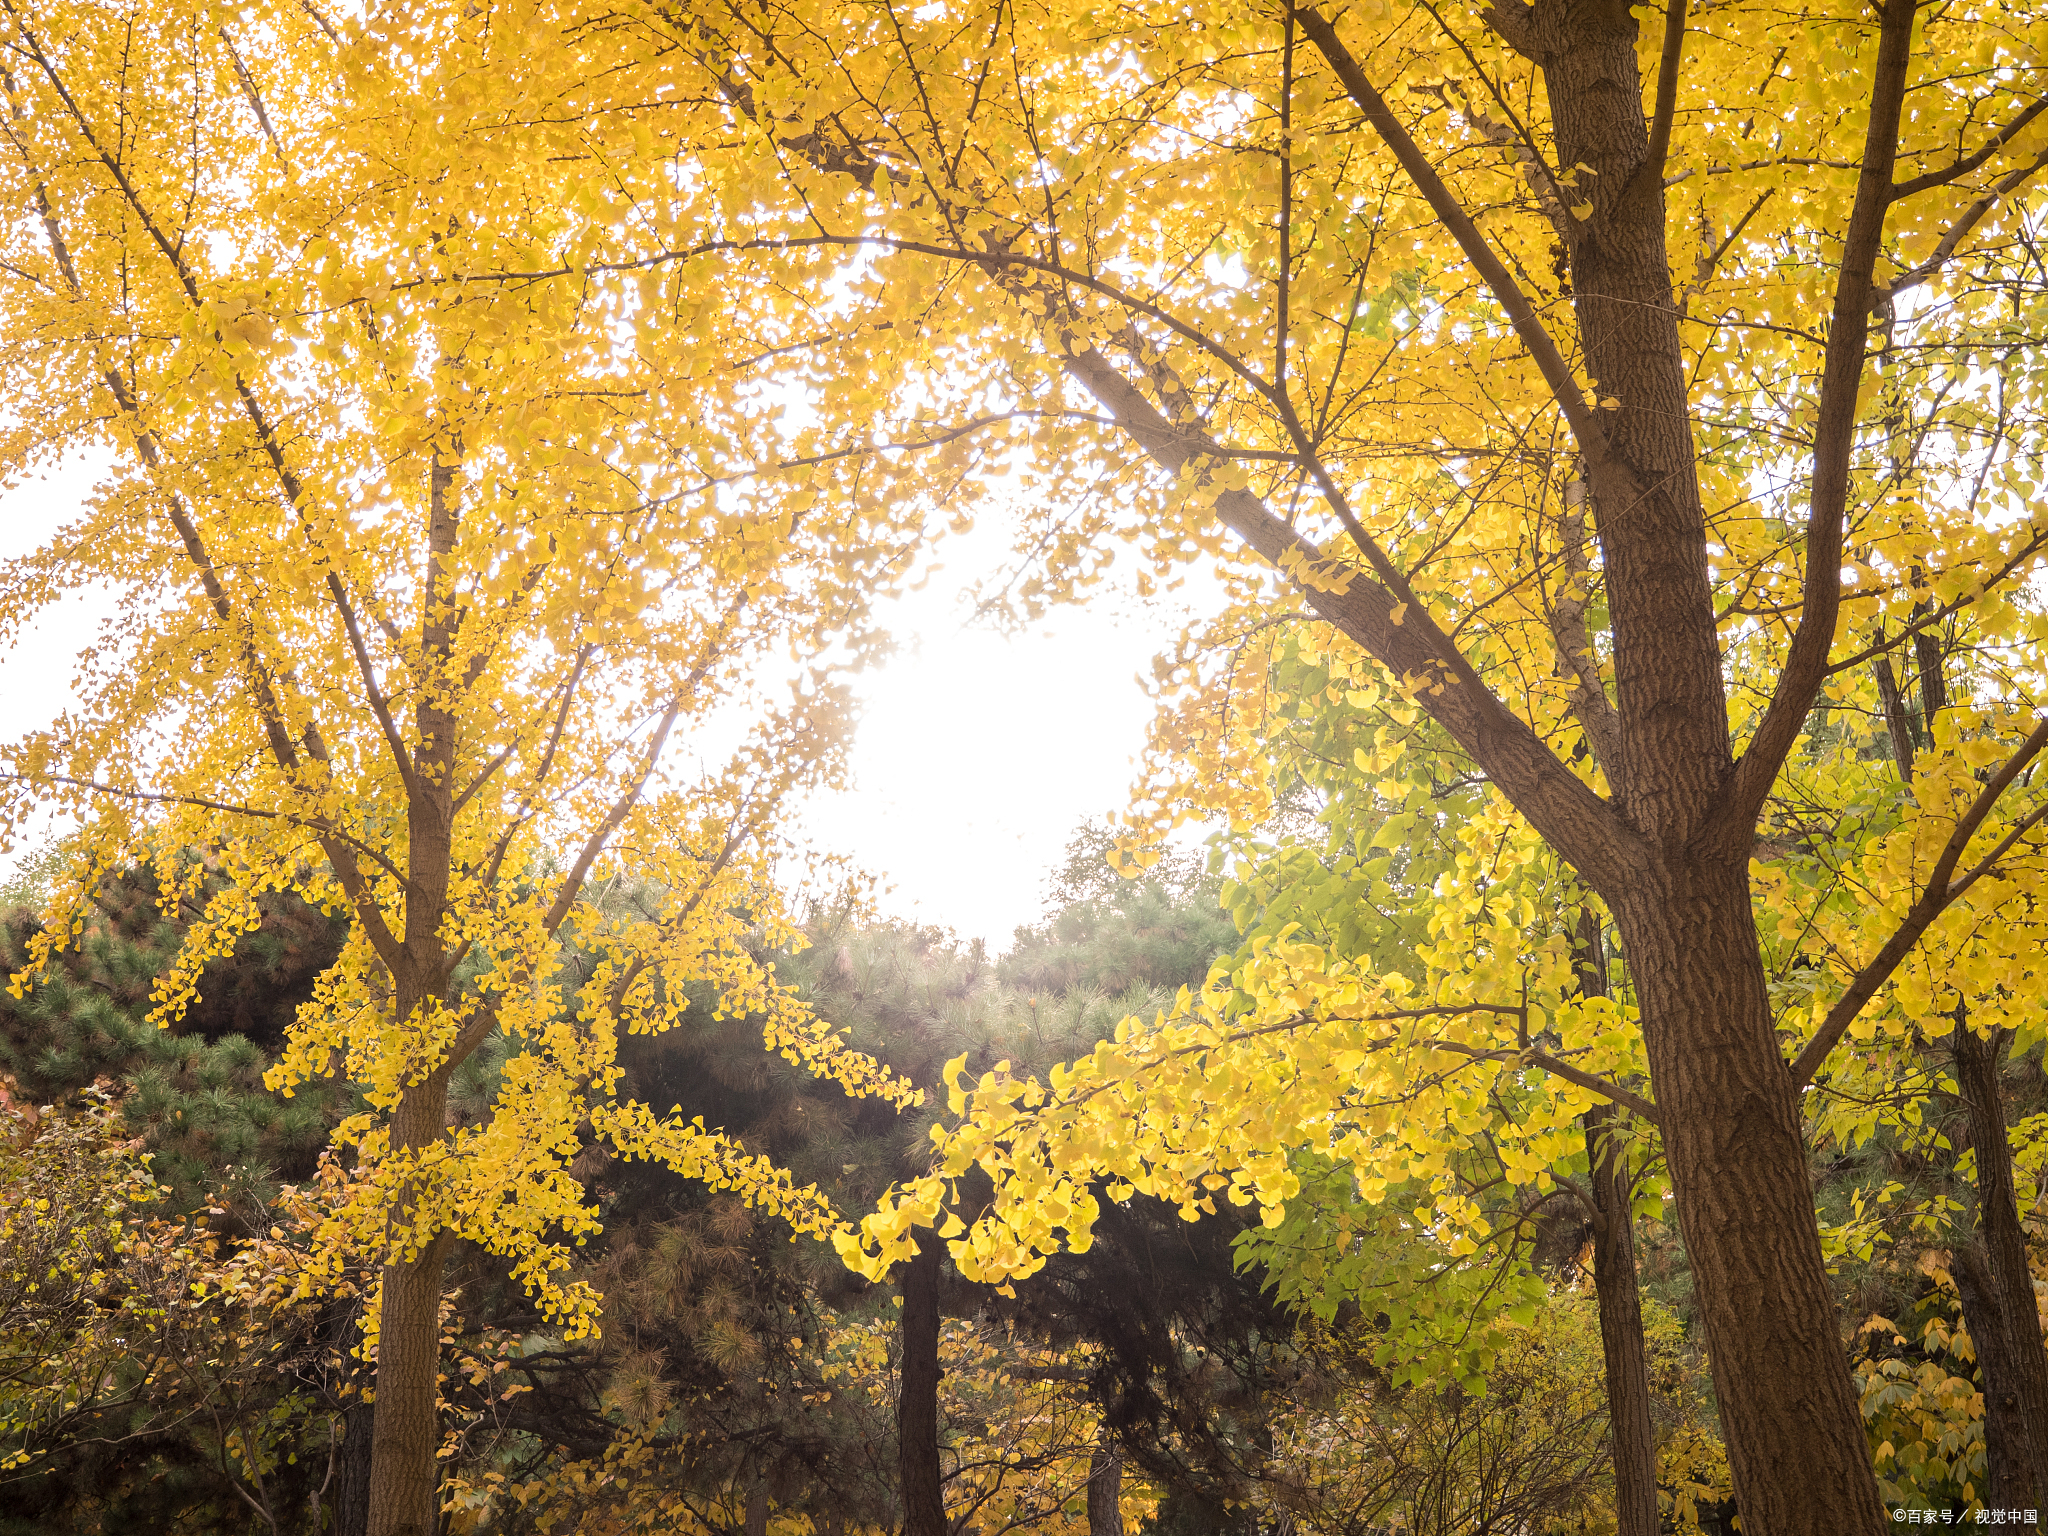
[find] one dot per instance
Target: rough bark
(403, 1465)
(404, 1484)
(917, 1402)
(1729, 1117)
(1621, 1328)
(1105, 1486)
(2010, 1477)
(352, 1471)
(1615, 1287)
(1732, 1139)
(757, 1511)
(1648, 516)
(2005, 1243)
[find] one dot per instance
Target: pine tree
(194, 1090)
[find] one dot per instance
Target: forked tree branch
(1381, 615)
(1557, 373)
(572, 883)
(2037, 540)
(1945, 248)
(1585, 829)
(1969, 163)
(1935, 898)
(173, 254)
(1732, 823)
(277, 735)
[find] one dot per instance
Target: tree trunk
(1733, 1143)
(1105, 1486)
(2006, 1458)
(404, 1492)
(404, 1469)
(757, 1510)
(352, 1471)
(2005, 1244)
(1615, 1286)
(1729, 1116)
(404, 1466)
(917, 1402)
(1621, 1328)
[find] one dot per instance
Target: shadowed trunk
(757, 1511)
(1621, 1328)
(917, 1403)
(352, 1471)
(1615, 1286)
(2005, 1424)
(1105, 1486)
(2010, 1278)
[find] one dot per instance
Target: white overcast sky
(978, 753)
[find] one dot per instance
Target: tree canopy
(1616, 429)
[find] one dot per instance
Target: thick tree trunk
(1732, 1140)
(1729, 1116)
(2007, 1461)
(1105, 1489)
(757, 1511)
(1621, 1329)
(917, 1402)
(2005, 1244)
(404, 1485)
(404, 1469)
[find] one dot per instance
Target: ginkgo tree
(427, 581)
(1618, 379)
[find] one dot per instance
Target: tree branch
(1731, 823)
(1969, 163)
(1576, 821)
(1667, 92)
(1443, 202)
(1973, 215)
(322, 831)
(1934, 899)
(269, 710)
(2034, 545)
(572, 883)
